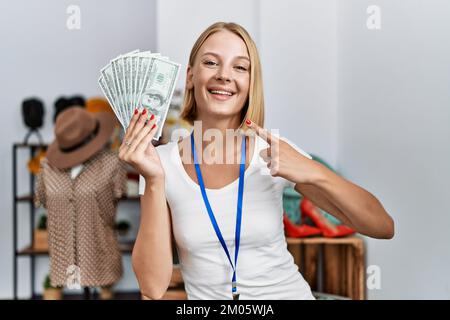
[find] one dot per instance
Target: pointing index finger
(263, 133)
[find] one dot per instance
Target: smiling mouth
(221, 92)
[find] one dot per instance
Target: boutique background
(375, 104)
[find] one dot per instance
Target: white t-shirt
(265, 268)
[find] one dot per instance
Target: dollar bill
(118, 86)
(106, 91)
(157, 89)
(133, 70)
(117, 67)
(126, 78)
(108, 78)
(144, 58)
(139, 79)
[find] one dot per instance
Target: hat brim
(64, 160)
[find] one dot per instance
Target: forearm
(152, 252)
(359, 208)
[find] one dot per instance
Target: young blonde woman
(227, 218)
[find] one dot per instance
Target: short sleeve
(287, 183)
(39, 188)
(120, 180)
(293, 145)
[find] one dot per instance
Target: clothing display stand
(16, 200)
(28, 199)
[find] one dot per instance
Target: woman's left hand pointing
(283, 160)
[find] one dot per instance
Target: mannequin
(79, 184)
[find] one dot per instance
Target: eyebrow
(218, 56)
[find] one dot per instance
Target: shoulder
(296, 147)
(106, 155)
(44, 162)
(43, 167)
(107, 160)
(46, 167)
(262, 144)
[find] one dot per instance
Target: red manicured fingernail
(154, 125)
(151, 118)
(248, 122)
(136, 111)
(144, 112)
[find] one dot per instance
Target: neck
(221, 124)
(212, 125)
(222, 132)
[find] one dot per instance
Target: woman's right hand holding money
(137, 148)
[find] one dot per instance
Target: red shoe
(328, 229)
(298, 231)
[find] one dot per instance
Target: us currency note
(134, 62)
(157, 89)
(127, 79)
(144, 58)
(109, 82)
(106, 91)
(117, 65)
(139, 79)
(118, 87)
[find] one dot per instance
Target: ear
(189, 78)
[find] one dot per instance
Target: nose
(223, 75)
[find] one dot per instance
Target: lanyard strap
(238, 211)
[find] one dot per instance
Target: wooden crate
(331, 265)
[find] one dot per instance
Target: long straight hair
(253, 108)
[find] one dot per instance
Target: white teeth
(221, 92)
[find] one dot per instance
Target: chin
(223, 110)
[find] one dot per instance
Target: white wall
(40, 56)
(298, 52)
(394, 136)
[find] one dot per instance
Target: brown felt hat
(79, 134)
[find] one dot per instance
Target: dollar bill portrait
(153, 101)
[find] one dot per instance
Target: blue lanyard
(238, 213)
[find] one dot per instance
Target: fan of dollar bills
(139, 80)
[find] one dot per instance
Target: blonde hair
(254, 106)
